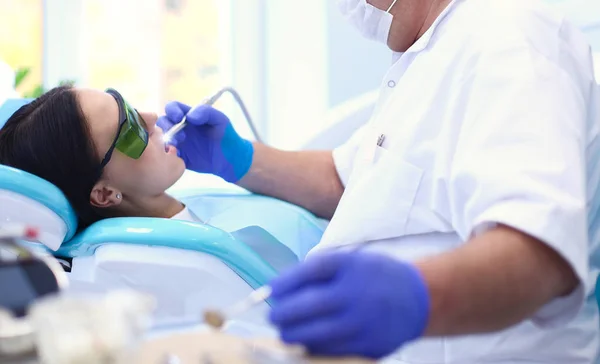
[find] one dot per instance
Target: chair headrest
(31, 200)
(28, 199)
(9, 107)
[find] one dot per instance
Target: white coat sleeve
(520, 159)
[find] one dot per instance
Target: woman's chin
(179, 166)
(172, 167)
(173, 172)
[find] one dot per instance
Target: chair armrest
(173, 234)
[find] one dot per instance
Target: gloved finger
(176, 110)
(203, 115)
(309, 303)
(320, 268)
(165, 124)
(330, 330)
(177, 138)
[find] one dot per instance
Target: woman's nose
(150, 118)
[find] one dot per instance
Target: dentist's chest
(397, 190)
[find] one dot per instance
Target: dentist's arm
(210, 144)
(308, 179)
(494, 281)
(347, 303)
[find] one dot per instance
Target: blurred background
(294, 62)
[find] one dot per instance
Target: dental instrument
(216, 319)
(168, 136)
(23, 279)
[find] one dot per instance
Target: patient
(65, 135)
(85, 142)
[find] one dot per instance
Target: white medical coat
(486, 119)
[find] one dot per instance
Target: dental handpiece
(168, 136)
(179, 126)
(216, 319)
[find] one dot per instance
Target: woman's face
(131, 179)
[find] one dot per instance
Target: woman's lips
(169, 149)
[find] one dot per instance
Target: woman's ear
(103, 196)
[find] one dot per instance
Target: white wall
(246, 65)
(293, 61)
(63, 41)
(7, 82)
(296, 69)
(585, 14)
(348, 54)
(597, 65)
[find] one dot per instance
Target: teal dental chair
(186, 266)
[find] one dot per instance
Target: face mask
(371, 22)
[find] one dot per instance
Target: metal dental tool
(40, 322)
(210, 101)
(24, 278)
(217, 319)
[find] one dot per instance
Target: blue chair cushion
(42, 191)
(177, 234)
(9, 107)
(274, 252)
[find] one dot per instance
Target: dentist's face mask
(371, 22)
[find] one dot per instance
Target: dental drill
(210, 101)
(216, 319)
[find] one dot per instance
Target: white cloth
(261, 241)
(486, 120)
(187, 215)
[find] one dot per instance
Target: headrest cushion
(34, 188)
(9, 107)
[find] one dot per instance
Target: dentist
(459, 227)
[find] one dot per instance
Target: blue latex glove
(350, 303)
(208, 144)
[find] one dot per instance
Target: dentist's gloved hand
(209, 143)
(350, 303)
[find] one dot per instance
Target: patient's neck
(158, 206)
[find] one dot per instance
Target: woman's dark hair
(50, 138)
